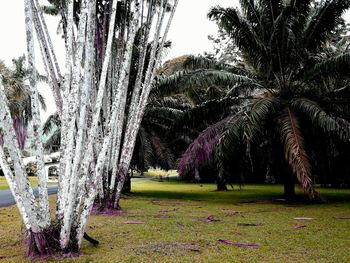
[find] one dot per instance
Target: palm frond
(53, 121)
(319, 118)
(185, 81)
(323, 21)
(255, 120)
(200, 62)
(250, 11)
(295, 153)
(207, 112)
(242, 33)
(53, 141)
(202, 150)
(162, 154)
(331, 66)
(50, 10)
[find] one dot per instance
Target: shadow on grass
(173, 189)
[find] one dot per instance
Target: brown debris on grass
(230, 212)
(247, 224)
(133, 223)
(212, 219)
(342, 217)
(304, 218)
(237, 244)
(299, 226)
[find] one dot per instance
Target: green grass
(176, 228)
(155, 173)
(4, 185)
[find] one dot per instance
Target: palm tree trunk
(289, 185)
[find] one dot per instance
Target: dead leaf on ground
(134, 222)
(342, 217)
(168, 210)
(245, 224)
(212, 219)
(237, 244)
(303, 218)
(299, 226)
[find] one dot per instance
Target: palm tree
(18, 94)
(287, 73)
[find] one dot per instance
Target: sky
(189, 31)
(189, 34)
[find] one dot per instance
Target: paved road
(6, 198)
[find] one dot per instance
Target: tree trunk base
(221, 184)
(127, 185)
(46, 244)
(107, 207)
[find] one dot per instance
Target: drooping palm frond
(207, 112)
(323, 21)
(201, 150)
(180, 102)
(162, 155)
(50, 10)
(251, 12)
(143, 150)
(320, 118)
(256, 118)
(242, 33)
(263, 109)
(295, 153)
(339, 65)
(182, 81)
(54, 141)
(270, 9)
(53, 121)
(199, 62)
(163, 114)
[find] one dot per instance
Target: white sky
(189, 33)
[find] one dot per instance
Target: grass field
(183, 222)
(33, 180)
(4, 186)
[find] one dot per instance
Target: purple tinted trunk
(43, 244)
(21, 131)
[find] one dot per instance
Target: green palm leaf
(324, 20)
(320, 118)
(183, 81)
(328, 67)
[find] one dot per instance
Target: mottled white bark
(63, 178)
(112, 123)
(14, 190)
(21, 183)
(137, 114)
(74, 146)
(36, 122)
(47, 53)
(92, 135)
